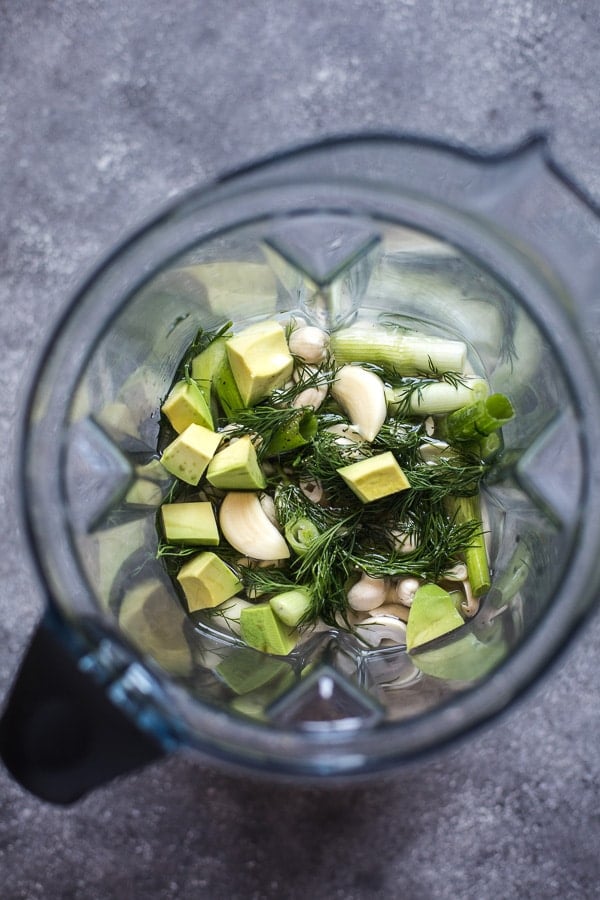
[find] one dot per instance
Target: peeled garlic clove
(405, 590)
(268, 505)
(313, 397)
(432, 452)
(312, 489)
(379, 628)
(392, 609)
(458, 572)
(361, 395)
(246, 526)
(403, 542)
(309, 344)
(367, 594)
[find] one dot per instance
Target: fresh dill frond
(267, 580)
(175, 551)
(447, 477)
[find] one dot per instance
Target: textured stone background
(106, 109)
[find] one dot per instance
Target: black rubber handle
(60, 735)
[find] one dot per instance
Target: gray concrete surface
(108, 108)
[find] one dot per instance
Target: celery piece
(467, 509)
(398, 352)
(480, 419)
(300, 534)
(292, 607)
(433, 398)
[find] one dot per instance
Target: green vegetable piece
(300, 430)
(205, 366)
(189, 523)
(480, 419)
(465, 510)
(227, 389)
(463, 659)
(154, 622)
(300, 534)
(262, 630)
(236, 467)
(398, 352)
(375, 477)
(431, 615)
(190, 453)
(207, 581)
(260, 360)
(186, 404)
(244, 670)
(291, 607)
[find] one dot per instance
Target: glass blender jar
(500, 252)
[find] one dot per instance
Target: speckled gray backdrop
(108, 108)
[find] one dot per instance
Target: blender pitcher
(500, 252)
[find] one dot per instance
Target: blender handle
(60, 735)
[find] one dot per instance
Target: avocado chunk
(189, 454)
(375, 477)
(186, 404)
(260, 360)
(212, 372)
(154, 622)
(207, 581)
(236, 467)
(432, 614)
(262, 630)
(205, 366)
(244, 670)
(189, 523)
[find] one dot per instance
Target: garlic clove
(392, 609)
(312, 397)
(361, 395)
(367, 594)
(309, 343)
(246, 526)
(376, 629)
(405, 590)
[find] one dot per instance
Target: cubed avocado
(432, 614)
(262, 630)
(236, 467)
(206, 365)
(207, 581)
(260, 360)
(375, 477)
(190, 523)
(189, 454)
(154, 621)
(186, 404)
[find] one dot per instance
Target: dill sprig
(447, 477)
(267, 580)
(440, 542)
(326, 567)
